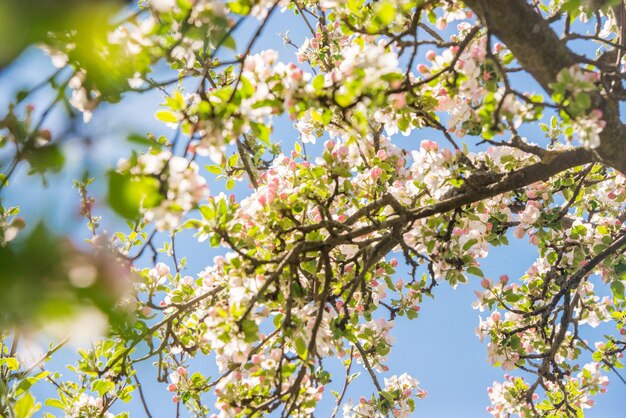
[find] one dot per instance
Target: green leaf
(11, 363)
(142, 140)
(513, 297)
(583, 100)
(343, 100)
(25, 407)
(250, 330)
(385, 14)
(318, 82)
(387, 395)
(214, 169)
(246, 89)
(239, 7)
(389, 283)
(166, 116)
(475, 271)
(230, 43)
(46, 158)
(597, 356)
(55, 403)
(301, 349)
(469, 244)
(618, 289)
(127, 194)
(102, 386)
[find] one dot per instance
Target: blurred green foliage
(128, 194)
(44, 277)
(23, 22)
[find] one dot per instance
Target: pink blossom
(446, 154)
(422, 68)
(428, 145)
(398, 100)
(519, 232)
(276, 354)
(162, 269)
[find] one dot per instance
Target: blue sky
(439, 348)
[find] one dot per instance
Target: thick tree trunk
(540, 51)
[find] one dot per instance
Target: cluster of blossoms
(450, 13)
(589, 129)
(88, 406)
(461, 104)
(179, 380)
(180, 186)
(356, 69)
(363, 69)
(466, 86)
(375, 336)
(82, 99)
(312, 51)
(398, 399)
(264, 88)
(509, 397)
(500, 354)
(573, 87)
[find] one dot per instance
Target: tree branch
(540, 51)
